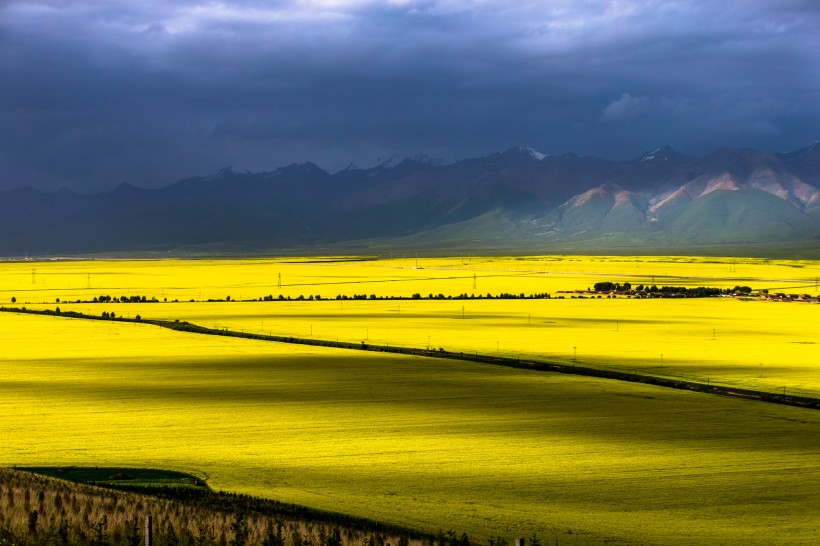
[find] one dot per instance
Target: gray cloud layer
(96, 93)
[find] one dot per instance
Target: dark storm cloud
(96, 93)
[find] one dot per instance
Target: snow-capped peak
(386, 161)
(659, 153)
(427, 159)
(220, 174)
(390, 161)
(535, 154)
(650, 156)
(520, 153)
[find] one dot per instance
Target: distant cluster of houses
(779, 296)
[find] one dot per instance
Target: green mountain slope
(746, 215)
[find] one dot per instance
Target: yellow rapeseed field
(752, 344)
(422, 442)
(246, 279)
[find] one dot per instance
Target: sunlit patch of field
(751, 344)
(402, 276)
(420, 442)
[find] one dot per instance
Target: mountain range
(517, 199)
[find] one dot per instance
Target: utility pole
(148, 531)
(280, 281)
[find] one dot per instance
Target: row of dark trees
(600, 287)
(122, 299)
(487, 296)
(416, 296)
(668, 291)
(340, 297)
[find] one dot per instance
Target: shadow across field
(132, 479)
(573, 368)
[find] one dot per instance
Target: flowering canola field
(252, 278)
(427, 443)
(751, 344)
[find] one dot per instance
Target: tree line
(667, 291)
(105, 298)
(415, 296)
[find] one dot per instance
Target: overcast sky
(95, 93)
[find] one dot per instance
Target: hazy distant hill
(518, 198)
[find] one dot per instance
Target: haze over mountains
(518, 199)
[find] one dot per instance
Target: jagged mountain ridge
(518, 197)
(752, 187)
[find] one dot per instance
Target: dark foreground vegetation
(39, 510)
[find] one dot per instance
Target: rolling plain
(434, 443)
